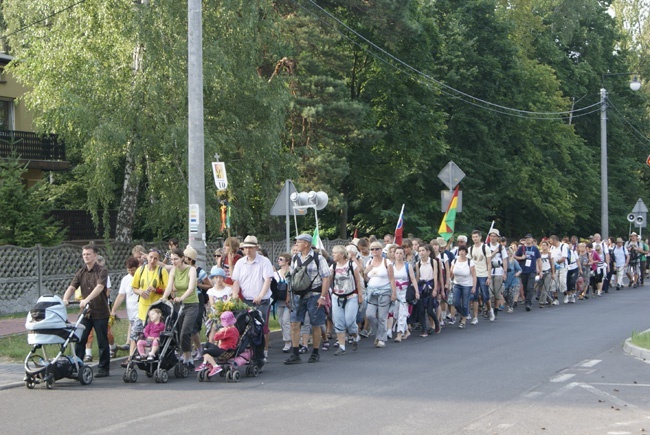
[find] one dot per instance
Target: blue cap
(217, 271)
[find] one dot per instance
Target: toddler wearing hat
(226, 338)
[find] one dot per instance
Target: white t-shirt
(463, 272)
(223, 294)
(131, 298)
(497, 259)
(479, 260)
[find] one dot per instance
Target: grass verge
(14, 348)
(641, 339)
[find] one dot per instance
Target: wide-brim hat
(441, 242)
(227, 318)
(190, 252)
(217, 271)
(249, 242)
(495, 231)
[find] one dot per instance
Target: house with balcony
(41, 152)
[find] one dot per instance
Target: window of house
(6, 114)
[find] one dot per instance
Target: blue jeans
(344, 315)
(461, 299)
(482, 289)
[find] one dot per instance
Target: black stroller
(47, 323)
(249, 352)
(167, 356)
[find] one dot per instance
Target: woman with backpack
(381, 292)
(463, 276)
(346, 298)
(281, 297)
(404, 275)
(427, 272)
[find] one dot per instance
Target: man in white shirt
(499, 263)
(560, 254)
(478, 252)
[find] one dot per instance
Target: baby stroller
(249, 352)
(166, 357)
(47, 323)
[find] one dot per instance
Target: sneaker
(313, 358)
(556, 302)
(336, 344)
(215, 370)
(469, 317)
(190, 365)
(510, 310)
(364, 333)
(355, 345)
(293, 359)
(124, 347)
(492, 316)
(474, 321)
(287, 347)
(88, 358)
(461, 325)
(102, 373)
(303, 349)
(350, 340)
(326, 346)
(451, 321)
(572, 299)
(137, 358)
(566, 299)
(380, 344)
(340, 352)
(150, 358)
(203, 366)
(389, 335)
(527, 307)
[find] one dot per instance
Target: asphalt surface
(552, 370)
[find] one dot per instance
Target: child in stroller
(158, 362)
(151, 332)
(227, 338)
(248, 352)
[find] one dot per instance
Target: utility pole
(195, 143)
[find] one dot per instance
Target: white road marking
(588, 363)
(606, 396)
(564, 389)
(563, 377)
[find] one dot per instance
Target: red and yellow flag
(446, 229)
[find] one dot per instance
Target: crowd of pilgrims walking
(371, 288)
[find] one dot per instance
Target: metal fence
(27, 273)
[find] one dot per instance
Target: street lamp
(635, 85)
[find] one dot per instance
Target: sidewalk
(11, 374)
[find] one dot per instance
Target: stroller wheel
(255, 371)
(133, 376)
(200, 376)
(229, 376)
(49, 383)
(156, 376)
(125, 376)
(29, 383)
(86, 376)
(164, 376)
(236, 376)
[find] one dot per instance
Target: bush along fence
(28, 273)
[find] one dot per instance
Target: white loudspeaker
(319, 199)
(630, 217)
(640, 220)
(300, 199)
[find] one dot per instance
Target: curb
(636, 351)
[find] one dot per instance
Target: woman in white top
(463, 275)
(404, 275)
(381, 292)
(548, 274)
(427, 272)
(283, 311)
(346, 297)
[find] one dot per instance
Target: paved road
(557, 370)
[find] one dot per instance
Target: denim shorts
(307, 304)
(482, 290)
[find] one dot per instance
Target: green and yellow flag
(446, 229)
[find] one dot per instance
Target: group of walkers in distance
(366, 288)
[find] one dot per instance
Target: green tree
(25, 220)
